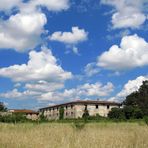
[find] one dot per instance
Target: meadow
(68, 135)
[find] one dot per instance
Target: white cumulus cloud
(91, 69)
(70, 38)
(132, 53)
(129, 87)
(127, 13)
(9, 4)
(22, 31)
(41, 66)
(84, 91)
(77, 35)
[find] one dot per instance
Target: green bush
(79, 125)
(146, 120)
(85, 115)
(13, 118)
(116, 113)
(43, 118)
(138, 114)
(61, 113)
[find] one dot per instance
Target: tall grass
(64, 135)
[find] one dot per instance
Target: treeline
(135, 106)
(13, 118)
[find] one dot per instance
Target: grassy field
(58, 135)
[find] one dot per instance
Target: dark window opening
(66, 107)
(71, 106)
(85, 107)
(108, 106)
(97, 106)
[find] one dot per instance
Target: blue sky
(63, 50)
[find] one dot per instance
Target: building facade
(30, 114)
(76, 109)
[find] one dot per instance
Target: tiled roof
(23, 111)
(85, 102)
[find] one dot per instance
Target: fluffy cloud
(129, 87)
(128, 13)
(77, 35)
(84, 91)
(44, 86)
(45, 91)
(91, 69)
(70, 38)
(15, 94)
(53, 5)
(41, 66)
(8, 4)
(22, 31)
(132, 53)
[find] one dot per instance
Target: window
(71, 113)
(66, 106)
(96, 106)
(108, 106)
(71, 106)
(66, 114)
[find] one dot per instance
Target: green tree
(139, 99)
(128, 112)
(2, 107)
(61, 113)
(86, 113)
(116, 113)
(138, 114)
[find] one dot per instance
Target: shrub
(61, 113)
(79, 125)
(13, 118)
(146, 120)
(85, 115)
(128, 112)
(138, 114)
(42, 118)
(2, 107)
(116, 113)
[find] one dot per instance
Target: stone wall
(102, 110)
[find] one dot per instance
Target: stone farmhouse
(76, 109)
(30, 114)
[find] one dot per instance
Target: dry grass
(56, 135)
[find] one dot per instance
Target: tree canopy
(2, 107)
(139, 99)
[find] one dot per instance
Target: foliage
(13, 118)
(116, 113)
(139, 99)
(128, 112)
(85, 114)
(42, 118)
(2, 107)
(146, 120)
(138, 114)
(79, 125)
(61, 113)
